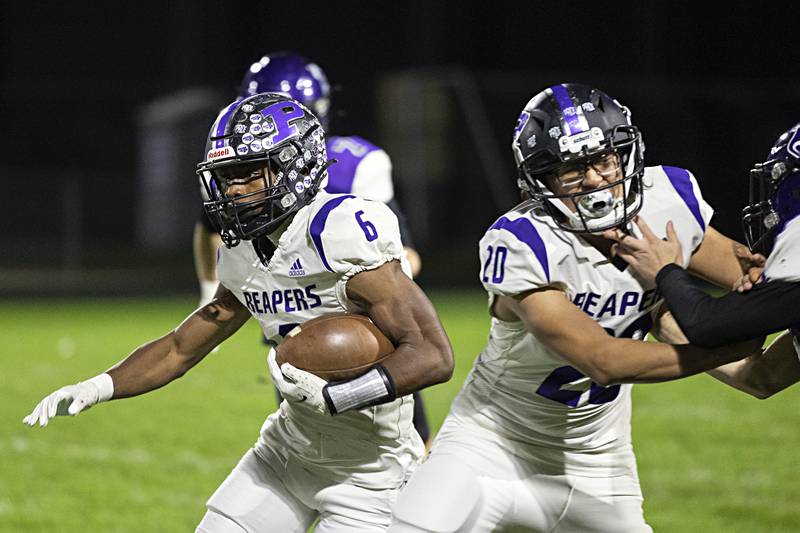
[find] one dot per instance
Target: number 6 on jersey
(368, 227)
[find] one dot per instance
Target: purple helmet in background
(292, 75)
(774, 192)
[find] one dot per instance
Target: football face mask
(588, 202)
(774, 193)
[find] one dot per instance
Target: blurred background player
(761, 305)
(361, 168)
(262, 176)
(539, 436)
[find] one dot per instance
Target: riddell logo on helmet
(219, 153)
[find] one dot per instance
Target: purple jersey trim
(352, 150)
(679, 177)
(568, 109)
(318, 225)
(525, 231)
(223, 122)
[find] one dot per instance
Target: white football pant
(471, 483)
(349, 487)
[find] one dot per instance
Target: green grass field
(710, 458)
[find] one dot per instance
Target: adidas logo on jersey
(296, 269)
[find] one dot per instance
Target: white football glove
(298, 385)
(72, 399)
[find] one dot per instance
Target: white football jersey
(328, 241)
(361, 168)
(545, 409)
(783, 263)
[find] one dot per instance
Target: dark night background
(438, 84)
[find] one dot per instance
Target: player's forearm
(421, 363)
(423, 355)
(666, 329)
(629, 361)
(764, 374)
(150, 367)
(709, 321)
(715, 260)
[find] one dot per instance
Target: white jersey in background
(361, 168)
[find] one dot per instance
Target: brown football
(335, 347)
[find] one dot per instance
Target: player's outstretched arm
(709, 321)
(404, 313)
(158, 362)
(152, 365)
(565, 329)
(763, 375)
(760, 375)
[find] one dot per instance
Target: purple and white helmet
(253, 138)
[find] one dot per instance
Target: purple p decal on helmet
(282, 115)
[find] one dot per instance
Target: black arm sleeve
(405, 233)
(708, 321)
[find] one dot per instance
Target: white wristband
(373, 387)
(105, 386)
